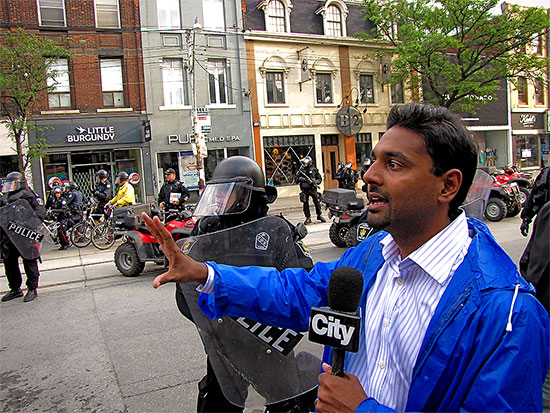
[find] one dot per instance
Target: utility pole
(200, 144)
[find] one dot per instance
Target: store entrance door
(84, 176)
(330, 165)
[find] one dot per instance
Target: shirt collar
(437, 256)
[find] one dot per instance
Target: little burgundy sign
(92, 134)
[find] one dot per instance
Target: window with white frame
(111, 82)
(213, 15)
(106, 14)
(334, 21)
(169, 14)
(323, 88)
(59, 95)
(276, 18)
(397, 93)
(217, 82)
(275, 88)
(366, 88)
(174, 83)
(52, 13)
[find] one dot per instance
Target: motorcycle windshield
(277, 363)
(478, 195)
(224, 198)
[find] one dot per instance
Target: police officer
(236, 195)
(15, 188)
(539, 195)
(75, 204)
(309, 179)
(61, 213)
(103, 190)
(173, 194)
(125, 195)
(346, 177)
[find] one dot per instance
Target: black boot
(12, 295)
(307, 221)
(321, 219)
(31, 295)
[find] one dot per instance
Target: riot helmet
(14, 182)
(101, 174)
(237, 187)
(347, 165)
(57, 190)
(121, 178)
(73, 185)
(306, 160)
(66, 186)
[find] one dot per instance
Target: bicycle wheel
(50, 234)
(81, 235)
(103, 236)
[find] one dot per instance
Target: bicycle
(103, 234)
(50, 227)
(81, 235)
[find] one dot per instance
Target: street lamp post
(190, 36)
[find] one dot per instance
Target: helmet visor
(10, 186)
(224, 198)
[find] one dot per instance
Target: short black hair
(448, 142)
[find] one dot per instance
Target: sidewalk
(78, 257)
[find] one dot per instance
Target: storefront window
(8, 164)
(363, 148)
(215, 156)
(129, 161)
(282, 157)
(527, 151)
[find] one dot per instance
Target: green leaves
(459, 48)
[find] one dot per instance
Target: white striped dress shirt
(398, 310)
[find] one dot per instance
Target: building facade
(94, 118)
(310, 75)
(193, 55)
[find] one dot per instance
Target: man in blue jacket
(447, 322)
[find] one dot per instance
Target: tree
(26, 71)
(458, 49)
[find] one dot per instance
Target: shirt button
(386, 322)
(399, 281)
(382, 365)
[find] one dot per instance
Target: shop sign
(134, 178)
(78, 132)
(349, 120)
(203, 120)
(527, 121)
(185, 139)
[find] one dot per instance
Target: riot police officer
(236, 195)
(173, 194)
(103, 191)
(61, 213)
(346, 176)
(15, 189)
(309, 179)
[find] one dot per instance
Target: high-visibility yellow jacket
(125, 196)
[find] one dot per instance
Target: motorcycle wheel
(351, 237)
(127, 260)
(495, 210)
(81, 235)
(523, 195)
(337, 234)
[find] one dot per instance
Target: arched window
(334, 21)
(276, 17)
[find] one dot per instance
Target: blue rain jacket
(468, 359)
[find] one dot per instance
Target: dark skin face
(406, 198)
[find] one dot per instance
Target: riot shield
(279, 363)
(477, 197)
(21, 224)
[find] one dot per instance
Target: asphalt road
(114, 344)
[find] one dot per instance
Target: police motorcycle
(255, 365)
(138, 245)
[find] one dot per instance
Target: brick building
(95, 117)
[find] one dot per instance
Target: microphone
(338, 325)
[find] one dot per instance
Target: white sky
(539, 3)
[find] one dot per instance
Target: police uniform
(178, 190)
(309, 190)
(61, 214)
(103, 192)
(10, 254)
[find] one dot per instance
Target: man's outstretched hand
(182, 269)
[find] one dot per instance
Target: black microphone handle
(338, 360)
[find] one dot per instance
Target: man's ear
(450, 185)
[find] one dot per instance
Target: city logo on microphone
(334, 328)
